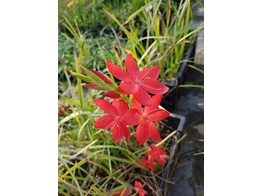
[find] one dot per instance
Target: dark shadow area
(188, 172)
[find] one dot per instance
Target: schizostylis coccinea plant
(131, 118)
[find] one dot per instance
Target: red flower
(136, 82)
(62, 110)
(107, 80)
(148, 163)
(139, 189)
(157, 153)
(117, 118)
(146, 127)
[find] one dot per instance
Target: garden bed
(94, 158)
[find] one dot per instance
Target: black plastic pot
(186, 175)
(173, 123)
(170, 98)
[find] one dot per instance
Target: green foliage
(89, 160)
(86, 12)
(89, 14)
(163, 37)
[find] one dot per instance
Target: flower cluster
(155, 153)
(131, 103)
(127, 191)
(135, 102)
(139, 189)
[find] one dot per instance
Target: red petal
(116, 133)
(142, 192)
(120, 130)
(138, 184)
(150, 73)
(157, 114)
(131, 65)
(121, 107)
(128, 87)
(102, 76)
(105, 122)
(157, 153)
(131, 117)
(105, 106)
(154, 133)
(142, 97)
(148, 163)
(118, 72)
(142, 132)
(111, 94)
(61, 111)
(154, 87)
(162, 159)
(125, 130)
(156, 100)
(137, 106)
(139, 189)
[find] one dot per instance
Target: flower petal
(131, 117)
(162, 159)
(138, 184)
(105, 106)
(128, 87)
(142, 132)
(162, 156)
(156, 100)
(154, 87)
(137, 106)
(105, 122)
(120, 130)
(157, 115)
(148, 164)
(121, 107)
(60, 111)
(131, 65)
(154, 133)
(142, 97)
(157, 153)
(125, 131)
(150, 73)
(118, 72)
(139, 189)
(116, 133)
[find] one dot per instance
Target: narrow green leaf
(197, 69)
(93, 79)
(192, 86)
(119, 24)
(138, 11)
(96, 79)
(98, 191)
